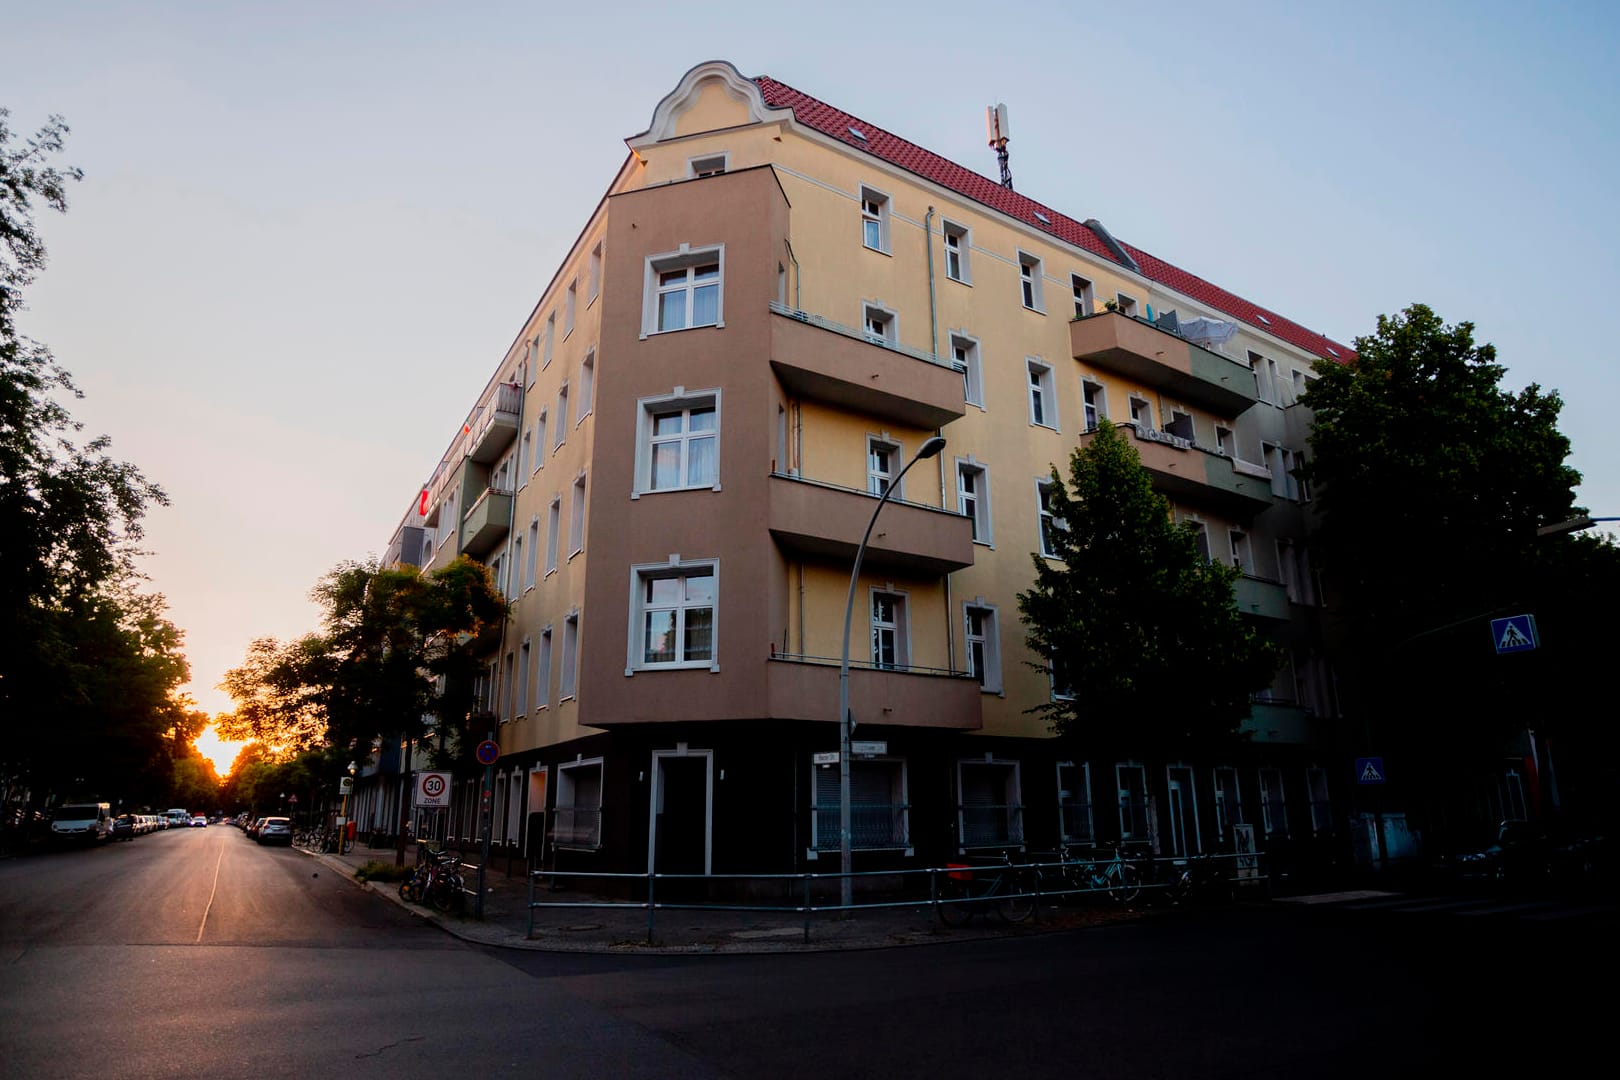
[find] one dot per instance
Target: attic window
(1263, 319)
(1332, 351)
(858, 133)
(1042, 218)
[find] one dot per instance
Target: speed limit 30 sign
(433, 789)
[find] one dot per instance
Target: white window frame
(674, 567)
(1200, 531)
(1043, 515)
(567, 784)
(508, 689)
(1269, 779)
(706, 165)
(1094, 412)
(878, 481)
(550, 341)
(989, 640)
(1132, 834)
(686, 256)
(1085, 295)
(1298, 489)
(568, 687)
(540, 440)
(533, 559)
(1031, 289)
(1316, 782)
(1228, 801)
(1194, 844)
(570, 304)
(1272, 455)
(520, 684)
(587, 387)
(1080, 770)
(1041, 383)
(1013, 807)
(966, 358)
(900, 627)
(1145, 420)
(876, 208)
(975, 505)
(576, 520)
(879, 324)
(594, 287)
(561, 434)
(542, 671)
(683, 401)
(527, 455)
(825, 840)
(1238, 542)
(553, 531)
(957, 242)
(1125, 304)
(1225, 441)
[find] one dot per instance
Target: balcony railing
(486, 522)
(862, 335)
(496, 425)
(825, 519)
(1189, 473)
(1163, 359)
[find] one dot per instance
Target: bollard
(807, 909)
(650, 906)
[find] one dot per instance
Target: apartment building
(669, 472)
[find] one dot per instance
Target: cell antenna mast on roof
(995, 127)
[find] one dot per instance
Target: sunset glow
(221, 753)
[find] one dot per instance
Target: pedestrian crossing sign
(1516, 633)
(1369, 770)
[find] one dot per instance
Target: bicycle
(1198, 880)
(967, 890)
(436, 880)
(1117, 876)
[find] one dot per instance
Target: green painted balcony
(1158, 358)
(1262, 598)
(1187, 473)
(486, 523)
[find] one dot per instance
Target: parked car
(276, 830)
(125, 827)
(82, 822)
(198, 821)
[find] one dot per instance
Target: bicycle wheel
(442, 894)
(1126, 885)
(955, 902)
(1018, 903)
(408, 890)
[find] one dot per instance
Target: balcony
(838, 364)
(1141, 351)
(806, 688)
(486, 523)
(1262, 598)
(814, 518)
(496, 424)
(1281, 722)
(1188, 473)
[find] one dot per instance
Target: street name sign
(829, 758)
(871, 748)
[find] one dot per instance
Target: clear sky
(308, 231)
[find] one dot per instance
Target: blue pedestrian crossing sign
(1369, 770)
(1516, 633)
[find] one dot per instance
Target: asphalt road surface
(197, 953)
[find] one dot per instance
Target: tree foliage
(90, 669)
(396, 647)
(1141, 628)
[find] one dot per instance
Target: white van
(179, 817)
(87, 822)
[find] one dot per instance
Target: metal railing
(870, 665)
(1046, 878)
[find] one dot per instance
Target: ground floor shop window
(878, 809)
(1133, 815)
(1228, 803)
(579, 804)
(1273, 810)
(990, 811)
(1321, 812)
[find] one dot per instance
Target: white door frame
(1192, 844)
(657, 792)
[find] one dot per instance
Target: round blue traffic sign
(488, 751)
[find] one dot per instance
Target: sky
(308, 232)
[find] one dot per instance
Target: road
(198, 953)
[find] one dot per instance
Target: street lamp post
(846, 859)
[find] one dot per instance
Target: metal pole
(483, 818)
(846, 860)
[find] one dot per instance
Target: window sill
(718, 325)
(683, 665)
(959, 281)
(566, 697)
(639, 492)
(879, 251)
(1036, 310)
(985, 544)
(583, 418)
(549, 571)
(576, 551)
(1049, 427)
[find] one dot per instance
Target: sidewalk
(623, 930)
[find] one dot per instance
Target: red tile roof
(837, 124)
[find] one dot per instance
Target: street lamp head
(351, 768)
(931, 447)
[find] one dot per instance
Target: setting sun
(221, 753)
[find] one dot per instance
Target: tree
(1431, 480)
(1140, 628)
(82, 655)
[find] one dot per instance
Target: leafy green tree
(1146, 644)
(1431, 481)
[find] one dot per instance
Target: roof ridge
(881, 143)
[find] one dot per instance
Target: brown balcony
(1158, 358)
(829, 362)
(813, 518)
(1190, 474)
(486, 523)
(806, 688)
(496, 425)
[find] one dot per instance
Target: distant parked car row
(267, 830)
(91, 823)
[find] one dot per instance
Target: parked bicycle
(1199, 880)
(967, 890)
(1078, 874)
(437, 879)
